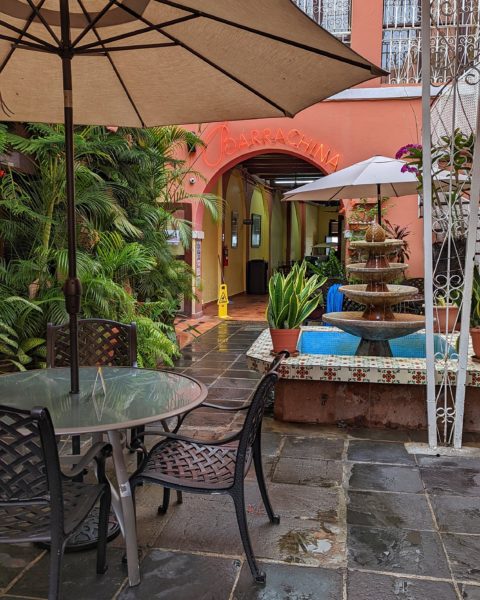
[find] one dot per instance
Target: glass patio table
(111, 399)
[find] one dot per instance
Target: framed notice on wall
(234, 240)
(256, 238)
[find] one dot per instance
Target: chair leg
(162, 509)
(179, 497)
(57, 547)
(257, 461)
(239, 501)
(105, 503)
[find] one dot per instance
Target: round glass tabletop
(109, 398)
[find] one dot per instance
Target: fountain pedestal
(377, 323)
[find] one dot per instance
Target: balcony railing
(454, 39)
(332, 15)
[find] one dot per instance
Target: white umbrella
(151, 62)
(377, 176)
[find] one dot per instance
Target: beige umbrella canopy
(140, 63)
(152, 62)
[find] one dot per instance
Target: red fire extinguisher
(225, 256)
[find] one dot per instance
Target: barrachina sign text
(220, 144)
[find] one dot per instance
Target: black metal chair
(100, 343)
(214, 467)
(38, 503)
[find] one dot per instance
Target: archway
(256, 226)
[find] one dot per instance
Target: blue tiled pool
(344, 344)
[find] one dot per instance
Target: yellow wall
(311, 228)
(296, 234)
(278, 229)
(259, 206)
(211, 248)
(235, 201)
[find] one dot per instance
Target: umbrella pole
(379, 204)
(72, 288)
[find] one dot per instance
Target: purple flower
(409, 169)
(406, 150)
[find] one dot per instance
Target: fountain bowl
(354, 323)
(394, 295)
(382, 274)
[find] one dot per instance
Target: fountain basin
(362, 391)
(354, 323)
(394, 295)
(381, 274)
(340, 343)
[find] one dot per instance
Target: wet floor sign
(222, 302)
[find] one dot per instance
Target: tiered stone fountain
(377, 324)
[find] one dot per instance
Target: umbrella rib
(93, 22)
(24, 30)
(205, 59)
(24, 33)
(19, 43)
(100, 52)
(137, 32)
(115, 70)
(37, 12)
(356, 63)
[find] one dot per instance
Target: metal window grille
(454, 35)
(332, 15)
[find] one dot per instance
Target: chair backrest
(29, 465)
(253, 420)
(100, 343)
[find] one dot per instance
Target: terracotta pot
(475, 335)
(285, 339)
(440, 314)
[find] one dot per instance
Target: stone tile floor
(361, 519)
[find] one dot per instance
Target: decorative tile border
(367, 369)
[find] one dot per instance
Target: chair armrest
(98, 453)
(137, 444)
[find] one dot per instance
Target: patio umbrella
(140, 63)
(377, 176)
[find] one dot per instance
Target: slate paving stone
(290, 583)
(297, 502)
(79, 578)
(379, 452)
(172, 575)
(456, 514)
(248, 384)
(323, 473)
(308, 448)
(212, 362)
(226, 393)
(452, 462)
(469, 592)
(216, 531)
(378, 509)
(386, 435)
(396, 550)
(457, 481)
(271, 443)
(387, 478)
(372, 586)
(242, 374)
(205, 372)
(14, 558)
(464, 554)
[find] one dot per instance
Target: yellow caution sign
(222, 302)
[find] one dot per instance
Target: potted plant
(446, 309)
(292, 299)
(475, 313)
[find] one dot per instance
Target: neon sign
(220, 144)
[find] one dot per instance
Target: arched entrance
(258, 233)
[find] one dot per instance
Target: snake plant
(293, 297)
